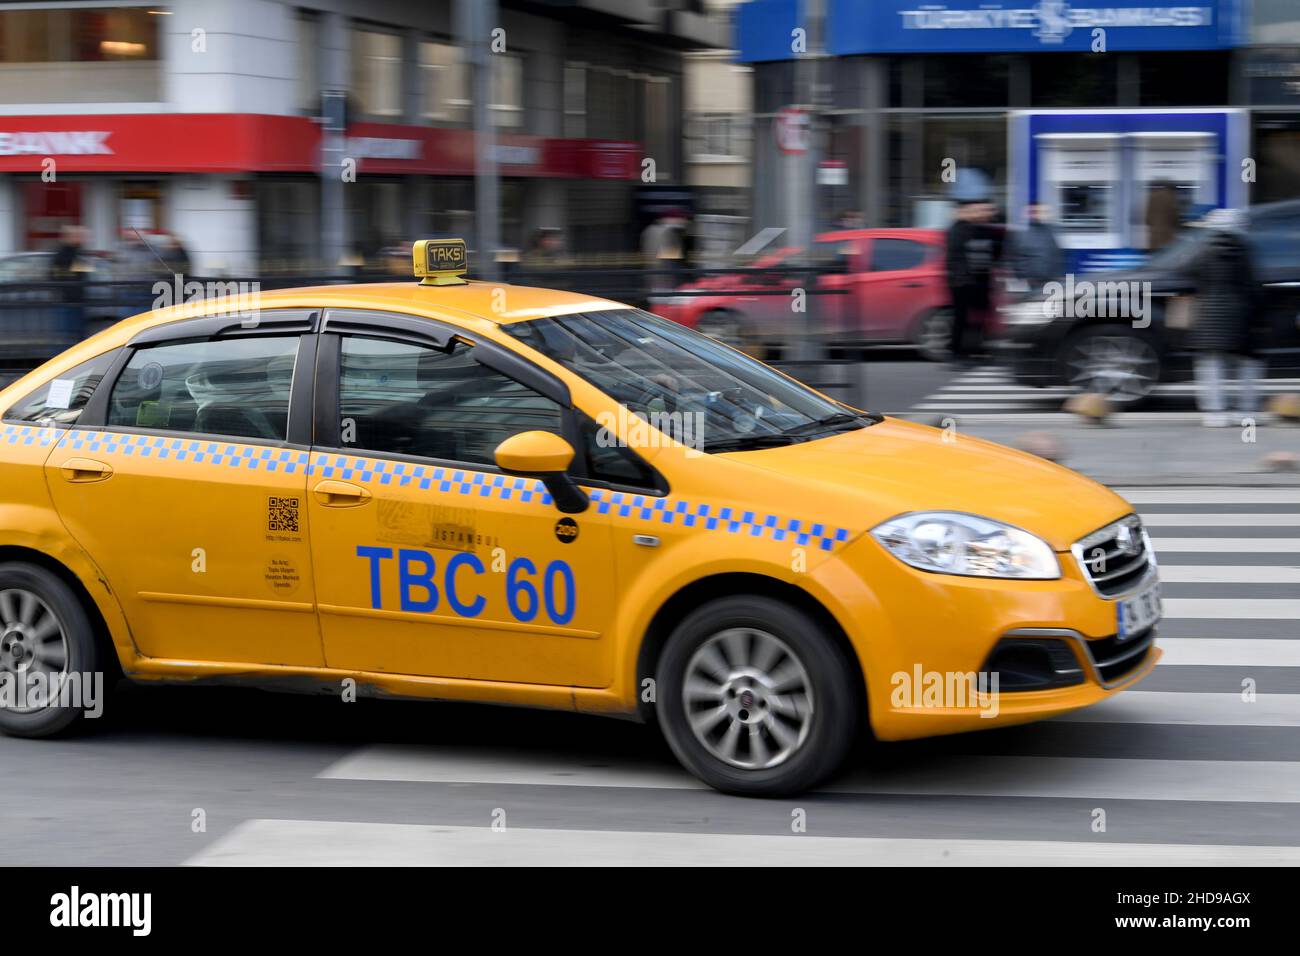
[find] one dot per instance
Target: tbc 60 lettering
(418, 592)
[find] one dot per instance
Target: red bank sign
(228, 143)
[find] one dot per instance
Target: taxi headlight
(949, 542)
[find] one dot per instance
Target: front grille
(1115, 558)
(1115, 659)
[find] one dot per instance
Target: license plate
(1137, 613)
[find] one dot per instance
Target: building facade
(203, 119)
(1204, 94)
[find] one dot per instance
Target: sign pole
(477, 18)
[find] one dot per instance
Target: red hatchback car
(894, 292)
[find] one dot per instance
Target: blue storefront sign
(763, 27)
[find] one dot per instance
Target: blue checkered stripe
(40, 435)
(714, 518)
(202, 452)
(401, 474)
(474, 484)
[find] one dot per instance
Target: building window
(1185, 78)
(719, 136)
(78, 36)
(965, 80)
(575, 100)
(377, 72)
(443, 97)
(93, 54)
(1073, 79)
(288, 223)
(506, 104)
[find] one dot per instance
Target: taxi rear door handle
(85, 469)
(340, 494)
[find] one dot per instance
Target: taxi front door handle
(340, 494)
(85, 469)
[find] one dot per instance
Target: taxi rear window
(232, 387)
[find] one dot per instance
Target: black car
(1123, 353)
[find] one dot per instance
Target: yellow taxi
(466, 490)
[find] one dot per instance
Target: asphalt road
(1183, 768)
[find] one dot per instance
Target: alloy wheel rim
(32, 643)
(748, 698)
(1122, 368)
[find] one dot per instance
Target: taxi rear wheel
(45, 636)
(755, 698)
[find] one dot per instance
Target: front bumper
(926, 642)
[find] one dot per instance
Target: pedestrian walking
(1225, 334)
(1036, 257)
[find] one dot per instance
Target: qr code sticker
(282, 514)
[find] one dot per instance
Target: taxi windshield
(679, 380)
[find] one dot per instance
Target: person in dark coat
(67, 267)
(973, 246)
(1036, 255)
(1227, 318)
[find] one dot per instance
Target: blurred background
(700, 157)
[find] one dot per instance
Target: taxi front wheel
(755, 698)
(48, 654)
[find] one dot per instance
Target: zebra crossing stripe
(1227, 545)
(1234, 609)
(1228, 574)
(1209, 496)
(265, 842)
(1190, 708)
(1229, 652)
(1234, 781)
(1205, 519)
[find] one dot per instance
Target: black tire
(1137, 364)
(83, 653)
(833, 723)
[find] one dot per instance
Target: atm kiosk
(1095, 169)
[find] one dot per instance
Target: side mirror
(547, 457)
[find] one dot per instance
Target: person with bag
(1228, 309)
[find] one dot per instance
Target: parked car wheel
(45, 636)
(933, 335)
(1116, 362)
(755, 698)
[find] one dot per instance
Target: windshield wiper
(753, 442)
(827, 422)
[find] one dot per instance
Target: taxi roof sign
(440, 261)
